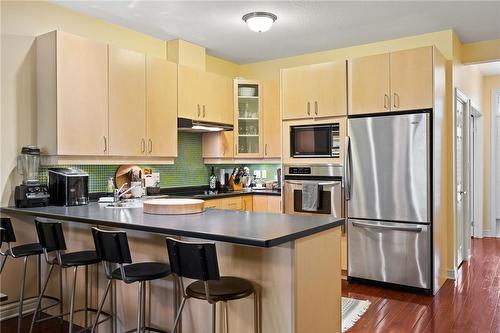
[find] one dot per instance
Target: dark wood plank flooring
(49, 326)
(469, 304)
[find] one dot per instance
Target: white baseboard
(451, 274)
(489, 233)
(11, 310)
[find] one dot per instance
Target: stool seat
(226, 289)
(25, 250)
(143, 271)
(79, 258)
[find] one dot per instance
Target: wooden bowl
(166, 206)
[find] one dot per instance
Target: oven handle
(347, 168)
(319, 184)
(386, 227)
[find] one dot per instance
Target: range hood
(197, 126)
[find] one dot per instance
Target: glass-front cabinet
(248, 118)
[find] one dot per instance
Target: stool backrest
(7, 234)
(50, 235)
(112, 246)
(193, 260)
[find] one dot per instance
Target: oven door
(330, 195)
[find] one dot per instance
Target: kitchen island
(294, 262)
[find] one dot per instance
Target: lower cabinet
(256, 203)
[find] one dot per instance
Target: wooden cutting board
(165, 206)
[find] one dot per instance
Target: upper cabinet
(161, 107)
(394, 81)
(315, 91)
(204, 96)
(72, 95)
(127, 102)
(271, 121)
(248, 118)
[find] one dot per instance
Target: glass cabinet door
(248, 124)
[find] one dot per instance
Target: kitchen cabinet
(272, 119)
(247, 203)
(233, 203)
(315, 91)
(394, 81)
(72, 95)
(219, 145)
(248, 139)
(267, 203)
(161, 107)
(213, 203)
(204, 96)
(127, 102)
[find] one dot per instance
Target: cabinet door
(127, 102)
(247, 203)
(411, 79)
(248, 119)
(82, 97)
(218, 145)
(214, 203)
(234, 203)
(161, 97)
(227, 107)
(271, 121)
(211, 108)
(295, 90)
(259, 203)
(190, 87)
(369, 91)
(328, 82)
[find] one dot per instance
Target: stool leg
(178, 316)
(72, 304)
(214, 315)
(21, 297)
(139, 307)
(39, 301)
(99, 310)
(4, 260)
(256, 320)
(61, 304)
(112, 322)
(226, 316)
(86, 296)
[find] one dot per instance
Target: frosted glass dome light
(259, 21)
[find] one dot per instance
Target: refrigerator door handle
(347, 168)
(386, 227)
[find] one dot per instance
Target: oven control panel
(299, 171)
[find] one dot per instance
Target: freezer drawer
(390, 252)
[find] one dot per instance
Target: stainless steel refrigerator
(388, 188)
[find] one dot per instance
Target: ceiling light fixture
(259, 21)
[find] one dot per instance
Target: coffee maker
(30, 193)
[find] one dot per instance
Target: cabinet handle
(143, 145)
(396, 100)
(105, 144)
(386, 101)
(150, 144)
(199, 111)
(308, 108)
(316, 107)
(203, 110)
(265, 149)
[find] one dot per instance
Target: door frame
(460, 96)
(495, 112)
(476, 197)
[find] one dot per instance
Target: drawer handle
(386, 227)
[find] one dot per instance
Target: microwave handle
(347, 168)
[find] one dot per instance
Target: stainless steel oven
(326, 178)
(311, 141)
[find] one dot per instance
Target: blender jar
(29, 165)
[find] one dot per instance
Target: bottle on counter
(212, 181)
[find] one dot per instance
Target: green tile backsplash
(188, 169)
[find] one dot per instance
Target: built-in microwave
(315, 140)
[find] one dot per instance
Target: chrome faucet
(118, 195)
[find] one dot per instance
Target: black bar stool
(24, 251)
(199, 261)
(51, 237)
(112, 247)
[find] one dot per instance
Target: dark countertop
(239, 227)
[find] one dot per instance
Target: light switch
(256, 173)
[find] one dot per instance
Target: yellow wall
(489, 83)
(221, 66)
(484, 51)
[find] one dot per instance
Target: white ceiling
(302, 26)
(489, 68)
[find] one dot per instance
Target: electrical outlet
(256, 173)
(264, 174)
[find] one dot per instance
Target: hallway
(469, 304)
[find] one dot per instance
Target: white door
(460, 113)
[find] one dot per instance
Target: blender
(30, 193)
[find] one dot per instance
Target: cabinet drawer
(232, 203)
(215, 203)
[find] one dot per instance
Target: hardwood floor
(469, 304)
(49, 326)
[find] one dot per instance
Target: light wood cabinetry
(127, 102)
(370, 84)
(315, 91)
(72, 95)
(411, 79)
(247, 202)
(218, 145)
(271, 121)
(267, 203)
(161, 107)
(256, 203)
(204, 96)
(394, 81)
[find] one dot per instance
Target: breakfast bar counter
(293, 262)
